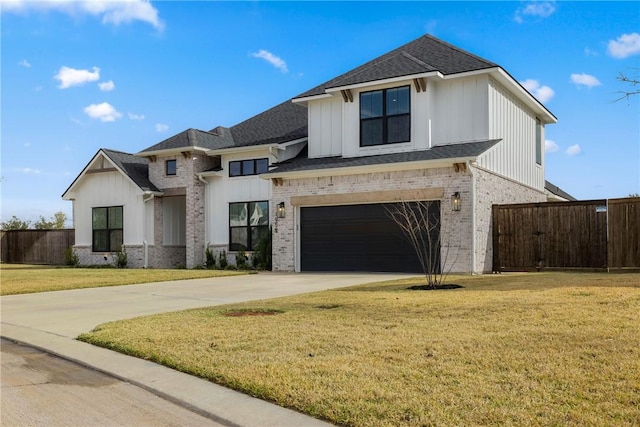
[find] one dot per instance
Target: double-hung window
(248, 167)
(385, 116)
(248, 224)
(107, 229)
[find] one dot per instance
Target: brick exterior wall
(187, 166)
(456, 226)
(495, 189)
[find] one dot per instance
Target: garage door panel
(355, 238)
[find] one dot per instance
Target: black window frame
(385, 118)
(167, 171)
(248, 167)
(112, 236)
(260, 229)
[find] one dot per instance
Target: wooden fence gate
(590, 235)
(36, 246)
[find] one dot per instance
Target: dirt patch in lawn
(242, 313)
(436, 288)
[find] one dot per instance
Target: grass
(25, 279)
(515, 349)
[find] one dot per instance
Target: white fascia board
(306, 99)
(293, 142)
(505, 78)
(233, 150)
(211, 174)
(385, 81)
(171, 151)
(355, 170)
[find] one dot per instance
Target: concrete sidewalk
(51, 321)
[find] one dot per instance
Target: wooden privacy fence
(590, 235)
(36, 246)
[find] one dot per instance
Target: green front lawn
(25, 279)
(514, 349)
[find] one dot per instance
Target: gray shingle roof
(217, 138)
(422, 55)
(136, 168)
(439, 152)
(558, 191)
(284, 122)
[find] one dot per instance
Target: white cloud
(134, 116)
(111, 12)
(550, 146)
(107, 86)
(624, 46)
(542, 93)
(573, 150)
(28, 171)
(161, 127)
(72, 77)
(105, 112)
(585, 80)
(24, 63)
(590, 52)
(272, 59)
(540, 9)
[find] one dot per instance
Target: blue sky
(78, 76)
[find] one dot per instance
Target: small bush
(261, 258)
(222, 260)
(120, 258)
(210, 261)
(71, 257)
(241, 260)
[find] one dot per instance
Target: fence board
(36, 246)
(624, 233)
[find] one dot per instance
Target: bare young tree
(421, 225)
(633, 81)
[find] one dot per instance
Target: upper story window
(385, 116)
(170, 167)
(106, 224)
(248, 167)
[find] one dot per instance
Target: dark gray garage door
(355, 238)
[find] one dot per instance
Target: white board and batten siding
(222, 190)
(514, 123)
(106, 189)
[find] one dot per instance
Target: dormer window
(170, 167)
(385, 116)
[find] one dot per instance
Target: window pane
(237, 214)
(115, 217)
(371, 104)
(262, 166)
(115, 240)
(398, 101)
(257, 234)
(234, 169)
(248, 167)
(259, 213)
(100, 241)
(371, 132)
(99, 218)
(171, 167)
(398, 129)
(238, 239)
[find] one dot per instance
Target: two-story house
(424, 122)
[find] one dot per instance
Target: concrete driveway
(51, 321)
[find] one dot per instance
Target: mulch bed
(437, 288)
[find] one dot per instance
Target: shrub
(71, 257)
(210, 261)
(261, 259)
(120, 258)
(222, 259)
(241, 260)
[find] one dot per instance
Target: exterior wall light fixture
(456, 203)
(280, 212)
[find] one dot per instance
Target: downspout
(473, 217)
(206, 243)
(144, 242)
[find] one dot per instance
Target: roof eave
(382, 167)
(505, 78)
(171, 151)
(241, 149)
